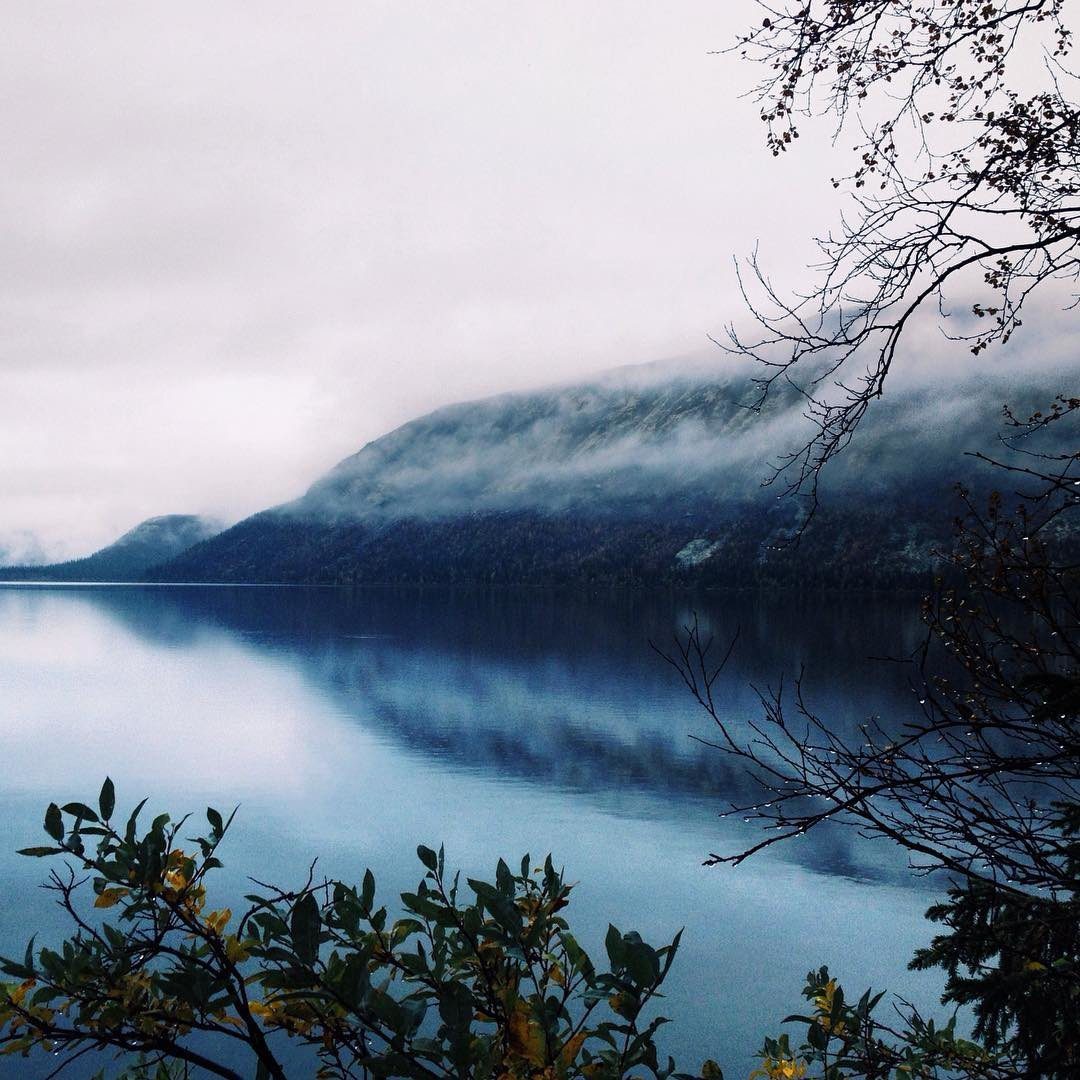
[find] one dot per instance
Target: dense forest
(747, 546)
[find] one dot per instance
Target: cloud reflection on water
(354, 725)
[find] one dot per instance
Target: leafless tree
(964, 189)
(968, 786)
(982, 782)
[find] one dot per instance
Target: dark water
(353, 725)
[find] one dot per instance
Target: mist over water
(355, 724)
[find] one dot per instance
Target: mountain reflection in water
(355, 724)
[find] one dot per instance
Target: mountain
(154, 541)
(647, 475)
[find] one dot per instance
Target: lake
(354, 724)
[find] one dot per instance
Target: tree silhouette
(963, 190)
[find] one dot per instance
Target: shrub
(482, 980)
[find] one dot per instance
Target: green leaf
(616, 951)
(641, 961)
(107, 799)
(670, 952)
(54, 823)
(129, 834)
(578, 956)
(354, 979)
(504, 880)
(215, 820)
(40, 852)
(304, 927)
(456, 1005)
(402, 929)
(428, 857)
(80, 810)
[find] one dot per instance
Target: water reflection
(355, 724)
(551, 689)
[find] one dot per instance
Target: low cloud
(661, 433)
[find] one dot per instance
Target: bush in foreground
(486, 981)
(481, 982)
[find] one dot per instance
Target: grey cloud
(667, 433)
(241, 241)
(335, 218)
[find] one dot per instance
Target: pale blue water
(353, 725)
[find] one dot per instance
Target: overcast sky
(240, 240)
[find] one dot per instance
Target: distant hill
(154, 541)
(646, 475)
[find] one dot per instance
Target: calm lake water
(353, 725)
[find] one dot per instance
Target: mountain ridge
(639, 477)
(130, 556)
(644, 475)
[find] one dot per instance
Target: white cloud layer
(239, 241)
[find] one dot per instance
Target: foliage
(983, 784)
(1015, 960)
(962, 195)
(886, 544)
(849, 1040)
(485, 983)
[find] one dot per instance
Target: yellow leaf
(263, 1012)
(781, 1069)
(234, 950)
(217, 920)
(526, 1037)
(623, 1004)
(175, 880)
(824, 1000)
(109, 897)
(571, 1049)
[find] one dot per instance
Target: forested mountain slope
(648, 475)
(128, 558)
